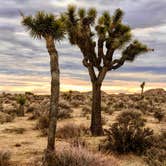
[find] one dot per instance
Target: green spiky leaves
(81, 13)
(112, 33)
(21, 100)
(117, 17)
(133, 50)
(44, 24)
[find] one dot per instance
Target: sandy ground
(24, 147)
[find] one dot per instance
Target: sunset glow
(25, 62)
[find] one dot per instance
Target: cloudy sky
(24, 62)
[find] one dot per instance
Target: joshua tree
(98, 41)
(142, 88)
(51, 28)
(21, 100)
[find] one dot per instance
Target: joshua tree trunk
(96, 124)
(21, 110)
(54, 69)
(142, 91)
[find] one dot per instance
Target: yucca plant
(51, 28)
(98, 41)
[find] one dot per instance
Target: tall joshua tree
(51, 28)
(98, 41)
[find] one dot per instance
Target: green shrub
(128, 134)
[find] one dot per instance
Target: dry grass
(79, 156)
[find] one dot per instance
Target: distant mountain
(158, 91)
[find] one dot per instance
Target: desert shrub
(5, 118)
(71, 130)
(35, 114)
(75, 103)
(128, 134)
(144, 106)
(64, 113)
(5, 158)
(119, 105)
(64, 104)
(86, 110)
(9, 109)
(43, 124)
(79, 156)
(156, 155)
(30, 109)
(159, 115)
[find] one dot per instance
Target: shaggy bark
(96, 124)
(54, 100)
(21, 110)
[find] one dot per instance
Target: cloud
(22, 57)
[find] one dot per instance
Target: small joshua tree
(142, 88)
(21, 100)
(98, 42)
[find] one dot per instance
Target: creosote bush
(156, 155)
(71, 130)
(64, 113)
(129, 134)
(159, 115)
(5, 158)
(43, 124)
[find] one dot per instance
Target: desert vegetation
(130, 128)
(84, 128)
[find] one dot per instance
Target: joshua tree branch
(100, 50)
(102, 74)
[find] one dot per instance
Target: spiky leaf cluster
(111, 34)
(21, 100)
(44, 24)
